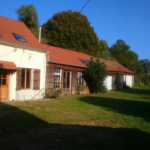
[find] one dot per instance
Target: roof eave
(66, 64)
(21, 46)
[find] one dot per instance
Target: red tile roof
(9, 26)
(68, 57)
(56, 54)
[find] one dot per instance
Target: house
(64, 69)
(28, 67)
(22, 62)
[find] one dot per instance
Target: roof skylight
(84, 61)
(19, 37)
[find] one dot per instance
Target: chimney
(40, 34)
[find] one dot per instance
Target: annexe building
(65, 69)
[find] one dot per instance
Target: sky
(128, 20)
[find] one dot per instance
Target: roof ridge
(12, 19)
(64, 49)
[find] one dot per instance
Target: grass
(113, 120)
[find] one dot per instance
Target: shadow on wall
(122, 106)
(21, 130)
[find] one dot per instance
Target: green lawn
(113, 120)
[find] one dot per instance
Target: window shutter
(18, 74)
(36, 82)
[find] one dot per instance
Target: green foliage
(118, 80)
(80, 88)
(57, 93)
(120, 51)
(28, 15)
(71, 30)
(104, 51)
(146, 65)
(52, 93)
(95, 75)
(104, 88)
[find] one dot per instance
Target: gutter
(21, 46)
(66, 64)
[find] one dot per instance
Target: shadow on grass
(145, 91)
(21, 130)
(134, 108)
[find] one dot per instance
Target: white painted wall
(108, 82)
(21, 57)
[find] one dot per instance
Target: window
(57, 78)
(0, 35)
(3, 78)
(26, 79)
(79, 78)
(84, 61)
(19, 37)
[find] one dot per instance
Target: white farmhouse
(22, 62)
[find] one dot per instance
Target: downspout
(40, 34)
(44, 64)
(47, 56)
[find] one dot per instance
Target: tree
(95, 75)
(122, 53)
(146, 65)
(71, 30)
(28, 15)
(104, 51)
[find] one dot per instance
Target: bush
(80, 88)
(95, 75)
(57, 93)
(104, 88)
(52, 93)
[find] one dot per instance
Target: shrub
(57, 93)
(52, 93)
(80, 88)
(95, 75)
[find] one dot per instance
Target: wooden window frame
(58, 72)
(25, 79)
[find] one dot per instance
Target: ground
(117, 120)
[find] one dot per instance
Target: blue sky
(128, 20)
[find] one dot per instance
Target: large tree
(104, 50)
(122, 53)
(71, 30)
(146, 65)
(28, 15)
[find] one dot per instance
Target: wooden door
(4, 82)
(66, 82)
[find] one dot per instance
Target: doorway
(4, 82)
(66, 82)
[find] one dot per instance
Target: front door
(4, 81)
(66, 82)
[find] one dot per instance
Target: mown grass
(113, 120)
